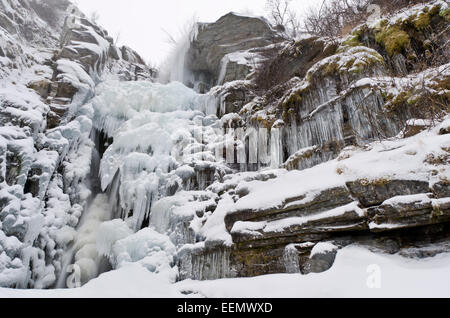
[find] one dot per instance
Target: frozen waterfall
(82, 262)
(159, 132)
(164, 147)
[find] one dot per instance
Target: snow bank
(132, 281)
(356, 273)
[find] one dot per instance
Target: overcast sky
(142, 23)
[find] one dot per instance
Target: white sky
(141, 22)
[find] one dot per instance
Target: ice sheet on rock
(160, 147)
(407, 199)
(47, 161)
(100, 48)
(74, 73)
(242, 58)
(291, 260)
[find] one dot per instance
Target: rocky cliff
(218, 52)
(51, 58)
(326, 104)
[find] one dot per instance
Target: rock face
(51, 57)
(230, 34)
(320, 100)
(408, 211)
(77, 32)
(375, 193)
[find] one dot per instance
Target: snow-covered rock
(51, 58)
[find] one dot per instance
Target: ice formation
(159, 141)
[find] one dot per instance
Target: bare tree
(337, 17)
(294, 24)
(283, 17)
(334, 16)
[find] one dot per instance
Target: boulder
(234, 71)
(85, 43)
(86, 57)
(321, 259)
(294, 58)
(232, 99)
(65, 89)
(7, 24)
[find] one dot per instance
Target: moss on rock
(393, 38)
(423, 19)
(351, 41)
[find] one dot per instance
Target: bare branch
(283, 17)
